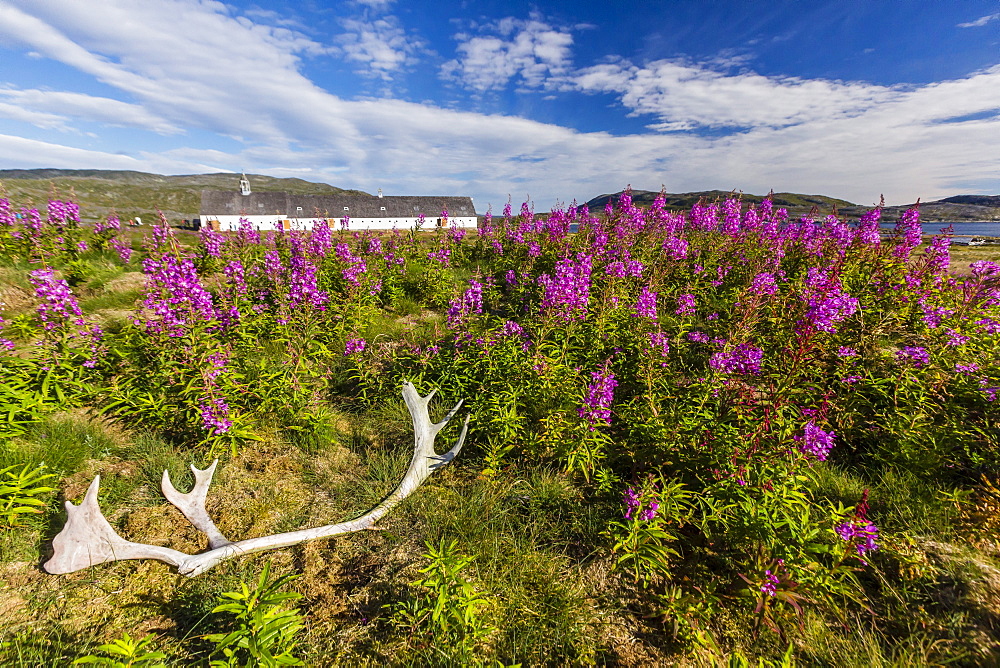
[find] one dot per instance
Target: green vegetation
(695, 440)
(137, 194)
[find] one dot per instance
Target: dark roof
(223, 203)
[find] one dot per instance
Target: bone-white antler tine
(453, 452)
(88, 539)
(447, 418)
(192, 504)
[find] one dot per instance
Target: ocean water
(959, 229)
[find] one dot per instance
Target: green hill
(797, 204)
(957, 209)
(131, 194)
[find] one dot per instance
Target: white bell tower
(244, 185)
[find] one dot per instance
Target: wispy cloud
(530, 51)
(380, 45)
(687, 96)
(981, 21)
(51, 105)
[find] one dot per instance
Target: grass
(554, 596)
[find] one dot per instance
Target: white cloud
(531, 50)
(981, 21)
(686, 96)
(39, 119)
(852, 140)
(381, 45)
(46, 105)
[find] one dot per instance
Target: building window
(347, 208)
(383, 208)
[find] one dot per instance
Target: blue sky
(551, 101)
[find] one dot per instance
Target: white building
(224, 210)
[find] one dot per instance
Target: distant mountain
(683, 201)
(132, 194)
(960, 208)
(978, 200)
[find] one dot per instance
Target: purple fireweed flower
(937, 254)
(216, 365)
(955, 339)
(989, 325)
(815, 441)
(273, 267)
(175, 295)
(861, 533)
(215, 415)
(5, 343)
(827, 303)
(236, 273)
(7, 217)
(374, 245)
(469, 303)
(442, 255)
(763, 284)
(123, 248)
(111, 224)
(247, 234)
(302, 282)
(162, 235)
(984, 268)
(770, 584)
(345, 222)
(354, 346)
(645, 503)
(211, 241)
(909, 230)
(731, 213)
(631, 501)
(850, 380)
(566, 295)
(646, 305)
(685, 304)
(698, 337)
(967, 369)
(63, 213)
(511, 328)
(599, 398)
(743, 359)
(846, 351)
(989, 392)
(356, 265)
(915, 355)
(320, 239)
(868, 227)
(59, 307)
(659, 344)
(675, 247)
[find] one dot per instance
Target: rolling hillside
(960, 208)
(132, 194)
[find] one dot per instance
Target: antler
(88, 539)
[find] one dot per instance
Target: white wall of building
(275, 222)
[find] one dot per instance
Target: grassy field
(549, 588)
